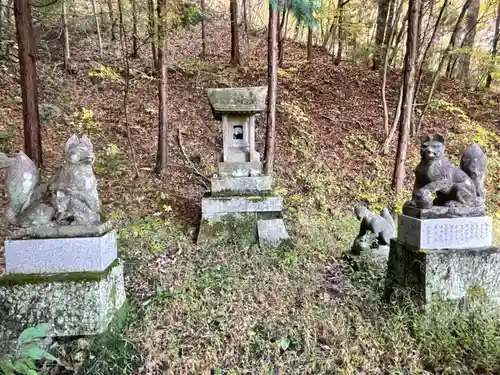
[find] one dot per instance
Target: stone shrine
(240, 190)
(444, 246)
(61, 264)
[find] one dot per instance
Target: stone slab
(58, 231)
(73, 304)
(271, 232)
(444, 274)
(241, 185)
(456, 233)
(215, 208)
(240, 169)
(438, 212)
(56, 255)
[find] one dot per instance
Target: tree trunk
(153, 33)
(383, 10)
(135, 46)
(112, 19)
(98, 27)
(101, 15)
(282, 37)
(203, 31)
(472, 17)
(161, 159)
(67, 56)
(272, 78)
(27, 65)
(442, 62)
(1, 26)
(494, 49)
(399, 38)
(340, 33)
(409, 90)
(245, 16)
(235, 42)
(309, 43)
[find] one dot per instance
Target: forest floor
(236, 308)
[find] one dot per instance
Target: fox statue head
(432, 148)
(79, 150)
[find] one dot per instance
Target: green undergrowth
(232, 308)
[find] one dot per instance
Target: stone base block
(56, 255)
(59, 231)
(456, 233)
(440, 212)
(444, 274)
(241, 185)
(240, 169)
(271, 232)
(73, 304)
(214, 208)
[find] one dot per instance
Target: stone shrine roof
(237, 100)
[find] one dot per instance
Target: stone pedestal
(74, 284)
(444, 258)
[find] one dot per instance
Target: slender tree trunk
(112, 19)
(399, 38)
(282, 38)
(8, 24)
(1, 26)
(472, 17)
(153, 35)
(309, 43)
(135, 46)
(272, 77)
(383, 10)
(67, 56)
(245, 16)
(384, 75)
(424, 55)
(98, 28)
(101, 15)
(161, 159)
(340, 33)
(329, 34)
(494, 49)
(27, 65)
(442, 62)
(203, 30)
(409, 90)
(235, 42)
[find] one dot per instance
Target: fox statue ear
(72, 141)
(86, 141)
(439, 138)
(424, 138)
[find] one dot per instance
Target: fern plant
(28, 351)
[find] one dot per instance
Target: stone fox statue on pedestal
(73, 196)
(453, 186)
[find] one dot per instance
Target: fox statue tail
(22, 179)
(473, 163)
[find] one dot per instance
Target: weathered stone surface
(243, 169)
(244, 100)
(61, 231)
(214, 208)
(73, 304)
(444, 274)
(272, 232)
(373, 230)
(241, 185)
(56, 255)
(456, 233)
(235, 229)
(441, 212)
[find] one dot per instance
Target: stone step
(60, 255)
(451, 233)
(226, 186)
(215, 208)
(271, 232)
(240, 169)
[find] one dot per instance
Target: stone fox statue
(453, 186)
(75, 190)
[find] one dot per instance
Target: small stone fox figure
(75, 190)
(453, 186)
(373, 227)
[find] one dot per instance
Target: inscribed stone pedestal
(453, 233)
(60, 255)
